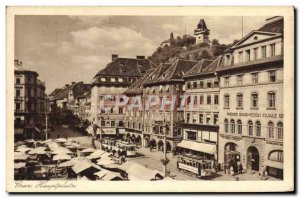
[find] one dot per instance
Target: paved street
(152, 159)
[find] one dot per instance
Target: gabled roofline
(251, 33)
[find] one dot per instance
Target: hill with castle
(189, 47)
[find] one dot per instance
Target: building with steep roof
(200, 126)
(166, 81)
(201, 32)
(251, 100)
(134, 117)
(30, 103)
(114, 79)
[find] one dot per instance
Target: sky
(65, 48)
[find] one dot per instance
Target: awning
(19, 131)
(90, 130)
(273, 164)
(198, 146)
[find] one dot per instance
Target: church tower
(201, 32)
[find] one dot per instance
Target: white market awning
(90, 130)
(198, 146)
(273, 164)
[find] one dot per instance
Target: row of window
(202, 84)
(253, 130)
(112, 123)
(271, 100)
(113, 79)
(29, 80)
(248, 56)
(210, 99)
(254, 78)
(163, 89)
(202, 120)
(112, 110)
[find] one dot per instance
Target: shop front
(274, 164)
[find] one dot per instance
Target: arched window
(280, 130)
(250, 128)
(239, 127)
(232, 126)
(258, 128)
(226, 125)
(271, 129)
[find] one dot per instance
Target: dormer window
(123, 69)
(255, 38)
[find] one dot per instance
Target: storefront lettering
(256, 115)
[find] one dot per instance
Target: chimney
(140, 57)
(66, 85)
(114, 57)
(73, 83)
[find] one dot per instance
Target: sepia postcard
(150, 99)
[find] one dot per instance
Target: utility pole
(46, 130)
(100, 129)
(165, 152)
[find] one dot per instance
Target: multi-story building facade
(30, 103)
(168, 84)
(200, 127)
(113, 80)
(251, 100)
(64, 101)
(134, 116)
(84, 106)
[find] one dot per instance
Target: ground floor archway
(231, 153)
(152, 143)
(253, 158)
(169, 147)
(160, 145)
(147, 142)
(138, 140)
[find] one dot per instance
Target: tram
(196, 165)
(130, 149)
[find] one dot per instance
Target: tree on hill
(191, 51)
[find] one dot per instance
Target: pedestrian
(241, 168)
(225, 168)
(235, 168)
(263, 173)
(199, 170)
(232, 171)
